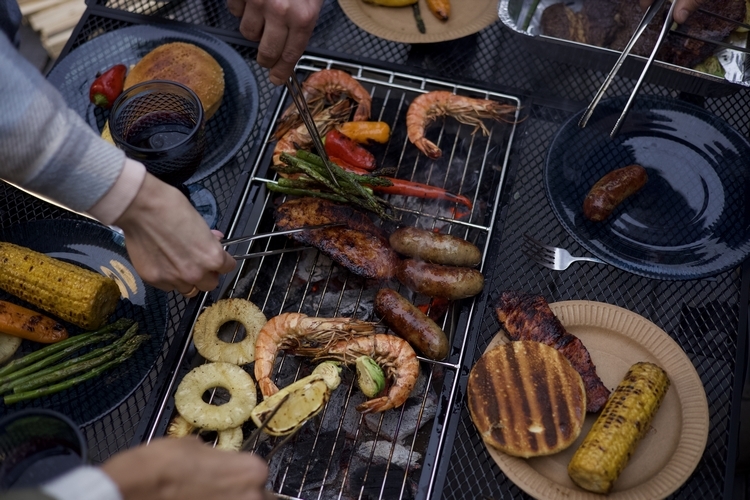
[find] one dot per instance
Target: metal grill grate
(344, 453)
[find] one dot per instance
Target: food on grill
(9, 344)
(611, 190)
(611, 23)
(394, 355)
(440, 8)
(108, 86)
(434, 247)
(229, 439)
(411, 324)
(370, 377)
(27, 324)
(327, 86)
(70, 292)
(436, 280)
(298, 137)
(626, 418)
(528, 317)
(358, 245)
(425, 108)
(291, 330)
(526, 399)
(391, 3)
(211, 347)
(299, 401)
(338, 145)
(188, 398)
(366, 132)
(183, 63)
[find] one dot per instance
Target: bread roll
(183, 63)
(526, 399)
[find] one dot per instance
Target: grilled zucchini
(71, 293)
(625, 419)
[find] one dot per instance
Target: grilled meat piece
(600, 21)
(560, 21)
(528, 317)
(359, 246)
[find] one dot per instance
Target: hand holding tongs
(647, 18)
(240, 239)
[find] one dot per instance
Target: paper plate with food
(577, 399)
(92, 75)
(421, 21)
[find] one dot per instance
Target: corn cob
(71, 293)
(625, 419)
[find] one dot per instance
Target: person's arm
(682, 10)
(47, 149)
(283, 28)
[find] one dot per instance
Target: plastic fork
(555, 258)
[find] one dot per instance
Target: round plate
(664, 459)
(689, 220)
(398, 24)
(226, 131)
(99, 249)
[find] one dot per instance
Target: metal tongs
(647, 18)
(240, 239)
(249, 442)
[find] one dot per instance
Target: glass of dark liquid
(161, 124)
(36, 446)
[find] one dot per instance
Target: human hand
(169, 243)
(682, 10)
(282, 27)
(186, 469)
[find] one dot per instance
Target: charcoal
(399, 423)
(310, 463)
(380, 481)
(383, 451)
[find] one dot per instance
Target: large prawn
(427, 107)
(393, 354)
(290, 330)
(326, 85)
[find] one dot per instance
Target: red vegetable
(108, 86)
(340, 146)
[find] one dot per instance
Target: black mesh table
(707, 318)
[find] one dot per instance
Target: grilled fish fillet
(528, 317)
(359, 245)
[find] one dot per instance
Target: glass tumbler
(161, 124)
(37, 445)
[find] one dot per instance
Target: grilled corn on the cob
(71, 293)
(624, 420)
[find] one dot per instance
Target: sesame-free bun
(187, 64)
(526, 399)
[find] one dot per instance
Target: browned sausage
(611, 190)
(435, 247)
(411, 324)
(436, 280)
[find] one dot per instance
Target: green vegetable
(370, 376)
(712, 66)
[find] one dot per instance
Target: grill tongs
(647, 18)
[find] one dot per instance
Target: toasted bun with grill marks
(526, 399)
(183, 63)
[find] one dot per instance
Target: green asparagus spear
(305, 192)
(35, 356)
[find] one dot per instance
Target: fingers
(293, 49)
(684, 8)
(253, 20)
(236, 7)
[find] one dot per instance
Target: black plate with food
(692, 217)
(226, 131)
(97, 248)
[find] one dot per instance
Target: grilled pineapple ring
(230, 439)
(211, 347)
(188, 398)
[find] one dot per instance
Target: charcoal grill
(343, 454)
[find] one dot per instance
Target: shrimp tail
(377, 405)
(267, 387)
(428, 147)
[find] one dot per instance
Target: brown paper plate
(398, 25)
(670, 451)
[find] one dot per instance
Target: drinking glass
(161, 124)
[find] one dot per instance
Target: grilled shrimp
(326, 85)
(427, 107)
(290, 330)
(393, 354)
(299, 138)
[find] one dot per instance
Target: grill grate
(342, 453)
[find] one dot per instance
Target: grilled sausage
(435, 280)
(435, 247)
(411, 324)
(611, 190)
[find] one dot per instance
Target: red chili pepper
(408, 188)
(108, 86)
(436, 308)
(340, 146)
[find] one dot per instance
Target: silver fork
(555, 258)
